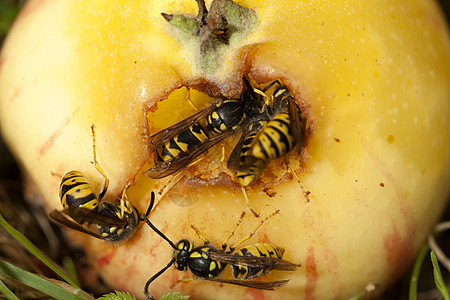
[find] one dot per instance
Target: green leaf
(186, 23)
(438, 280)
(117, 296)
(34, 250)
(40, 283)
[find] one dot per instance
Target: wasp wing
(297, 124)
(239, 162)
(159, 139)
(59, 217)
(234, 161)
(260, 285)
(183, 159)
(268, 263)
(83, 215)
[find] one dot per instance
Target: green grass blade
(39, 283)
(416, 272)
(35, 251)
(7, 292)
(71, 270)
(438, 280)
(356, 297)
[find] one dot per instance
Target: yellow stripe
(200, 136)
(195, 255)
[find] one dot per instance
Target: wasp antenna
(150, 206)
(146, 292)
(247, 83)
(145, 218)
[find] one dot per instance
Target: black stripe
(188, 137)
(74, 201)
(166, 152)
(67, 185)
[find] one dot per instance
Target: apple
(371, 77)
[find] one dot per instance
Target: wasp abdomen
(274, 139)
(193, 136)
(75, 191)
(250, 165)
(257, 250)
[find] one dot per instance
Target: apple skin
(371, 77)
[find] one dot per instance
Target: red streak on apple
(31, 7)
(255, 294)
(106, 259)
(398, 251)
(311, 274)
(2, 61)
(15, 95)
(51, 140)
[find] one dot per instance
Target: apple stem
(213, 29)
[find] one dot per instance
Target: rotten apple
(371, 78)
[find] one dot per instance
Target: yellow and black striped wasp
(84, 211)
(178, 145)
(208, 262)
(272, 133)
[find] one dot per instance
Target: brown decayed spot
(311, 274)
(269, 192)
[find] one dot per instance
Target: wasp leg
(247, 201)
(224, 243)
(188, 99)
(97, 166)
(297, 179)
(248, 236)
(170, 183)
(187, 279)
(200, 235)
(125, 205)
(56, 174)
(221, 159)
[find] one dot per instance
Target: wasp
(208, 262)
(272, 133)
(176, 146)
(84, 211)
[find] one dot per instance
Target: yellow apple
(371, 77)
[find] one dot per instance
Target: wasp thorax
(227, 116)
